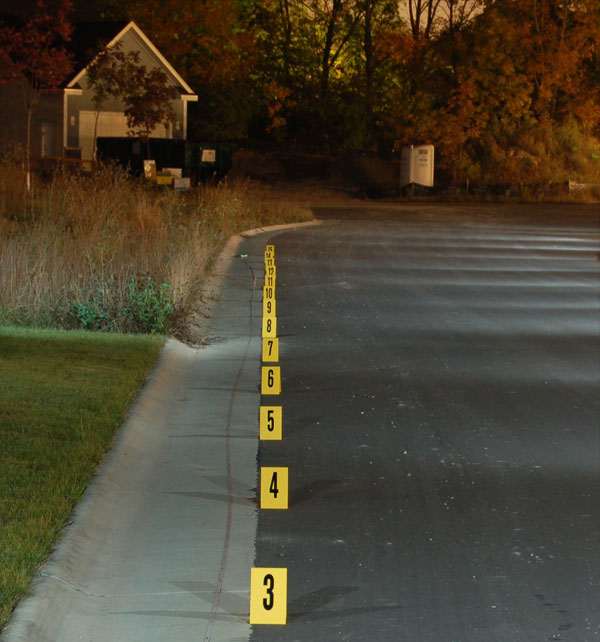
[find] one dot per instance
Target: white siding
(110, 123)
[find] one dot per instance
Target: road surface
(441, 412)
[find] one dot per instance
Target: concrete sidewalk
(162, 544)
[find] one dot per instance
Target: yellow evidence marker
(271, 271)
(270, 380)
(269, 308)
(270, 349)
(270, 423)
(274, 487)
(268, 595)
(270, 249)
(269, 280)
(269, 327)
(268, 293)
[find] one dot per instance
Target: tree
(422, 15)
(146, 93)
(209, 44)
(147, 100)
(35, 57)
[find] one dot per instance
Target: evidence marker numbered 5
(271, 423)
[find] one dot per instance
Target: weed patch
(104, 252)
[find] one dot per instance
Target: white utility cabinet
(416, 165)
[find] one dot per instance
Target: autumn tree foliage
(146, 94)
(499, 86)
(35, 56)
(209, 44)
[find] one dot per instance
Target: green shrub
(146, 307)
(150, 306)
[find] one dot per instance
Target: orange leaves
(36, 52)
(202, 39)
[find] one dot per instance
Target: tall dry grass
(89, 241)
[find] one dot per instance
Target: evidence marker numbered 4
(274, 487)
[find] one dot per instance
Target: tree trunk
(326, 59)
(369, 58)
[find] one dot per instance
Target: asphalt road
(440, 374)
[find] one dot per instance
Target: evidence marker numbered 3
(268, 595)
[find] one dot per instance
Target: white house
(63, 124)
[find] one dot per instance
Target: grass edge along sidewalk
(63, 395)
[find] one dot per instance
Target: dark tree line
(503, 88)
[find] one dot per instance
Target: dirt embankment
(350, 174)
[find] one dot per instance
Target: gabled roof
(89, 39)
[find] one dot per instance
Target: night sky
(84, 10)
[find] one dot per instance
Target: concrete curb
(213, 283)
(136, 554)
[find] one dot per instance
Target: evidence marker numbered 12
(268, 595)
(274, 485)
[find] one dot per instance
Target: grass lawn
(62, 397)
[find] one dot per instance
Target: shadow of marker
(233, 603)
(304, 493)
(217, 497)
(317, 599)
(236, 608)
